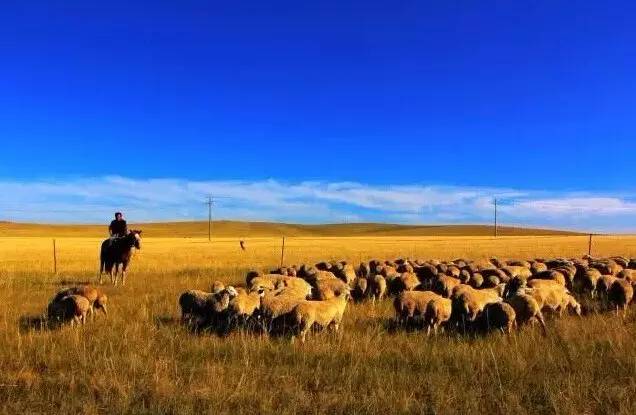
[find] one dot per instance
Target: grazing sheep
(471, 302)
(516, 271)
(550, 275)
(620, 295)
(628, 275)
(438, 311)
(327, 313)
(411, 304)
(604, 284)
(251, 275)
(330, 288)
(570, 303)
(444, 285)
(538, 267)
(71, 308)
(527, 310)
(96, 298)
(498, 316)
(403, 282)
(345, 272)
(586, 281)
(273, 281)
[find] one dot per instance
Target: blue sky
(422, 101)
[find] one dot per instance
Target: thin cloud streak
(84, 200)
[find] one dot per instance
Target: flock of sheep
(462, 295)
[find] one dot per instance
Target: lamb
(438, 311)
(499, 316)
(96, 298)
(71, 308)
(327, 313)
(411, 304)
(526, 310)
(621, 294)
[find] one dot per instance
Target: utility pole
(495, 217)
(209, 203)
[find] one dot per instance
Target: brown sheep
(603, 285)
(404, 282)
(330, 288)
(586, 281)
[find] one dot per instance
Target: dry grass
(139, 361)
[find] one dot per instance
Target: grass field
(139, 360)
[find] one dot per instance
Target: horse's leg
(124, 268)
(113, 274)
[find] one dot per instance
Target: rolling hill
(264, 229)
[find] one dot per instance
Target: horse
(118, 252)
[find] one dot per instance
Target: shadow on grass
(30, 323)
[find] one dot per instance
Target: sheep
(550, 275)
(586, 281)
(327, 313)
(96, 298)
(548, 296)
(404, 282)
(360, 289)
(377, 288)
(471, 302)
(272, 281)
(476, 280)
(438, 311)
(628, 275)
(217, 287)
(426, 273)
(620, 295)
(516, 271)
(604, 284)
(71, 308)
(499, 316)
(244, 305)
(200, 308)
(329, 288)
(537, 267)
(411, 304)
(445, 284)
(345, 272)
(569, 302)
(526, 310)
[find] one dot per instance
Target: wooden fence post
(589, 246)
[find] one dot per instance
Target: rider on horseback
(117, 227)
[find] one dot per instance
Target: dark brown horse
(118, 252)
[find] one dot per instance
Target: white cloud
(94, 200)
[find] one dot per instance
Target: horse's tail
(102, 260)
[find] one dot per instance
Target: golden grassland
(140, 360)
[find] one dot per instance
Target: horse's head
(135, 238)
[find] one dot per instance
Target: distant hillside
(261, 229)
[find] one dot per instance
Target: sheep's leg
(123, 276)
(542, 323)
(428, 330)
